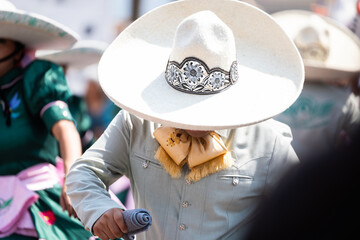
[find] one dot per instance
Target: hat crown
(204, 36)
(313, 40)
(203, 58)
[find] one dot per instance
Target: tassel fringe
(203, 170)
(215, 165)
(170, 166)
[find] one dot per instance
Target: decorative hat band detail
(313, 42)
(192, 75)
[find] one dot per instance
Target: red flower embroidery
(48, 217)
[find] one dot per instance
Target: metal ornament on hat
(192, 75)
(203, 58)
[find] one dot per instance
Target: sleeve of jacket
(47, 92)
(283, 156)
(351, 110)
(101, 165)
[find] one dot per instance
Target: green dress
(34, 98)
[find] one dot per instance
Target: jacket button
(235, 181)
(182, 227)
(185, 204)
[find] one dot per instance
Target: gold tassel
(215, 165)
(170, 166)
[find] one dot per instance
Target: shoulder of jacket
(277, 128)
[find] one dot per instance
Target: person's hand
(66, 204)
(110, 225)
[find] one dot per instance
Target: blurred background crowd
(103, 20)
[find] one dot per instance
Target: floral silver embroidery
(217, 80)
(234, 74)
(193, 76)
(193, 72)
(173, 74)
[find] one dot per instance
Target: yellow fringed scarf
(204, 155)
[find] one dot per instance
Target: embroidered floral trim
(48, 217)
(314, 51)
(176, 137)
(59, 103)
(5, 205)
(193, 76)
(12, 83)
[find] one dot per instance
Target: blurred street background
(104, 19)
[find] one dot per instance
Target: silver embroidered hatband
(193, 76)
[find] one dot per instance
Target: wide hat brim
(271, 72)
(343, 61)
(35, 31)
(82, 54)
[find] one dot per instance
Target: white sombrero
(330, 50)
(82, 54)
(252, 2)
(33, 30)
(202, 58)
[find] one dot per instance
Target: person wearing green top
(36, 126)
(80, 67)
(74, 62)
